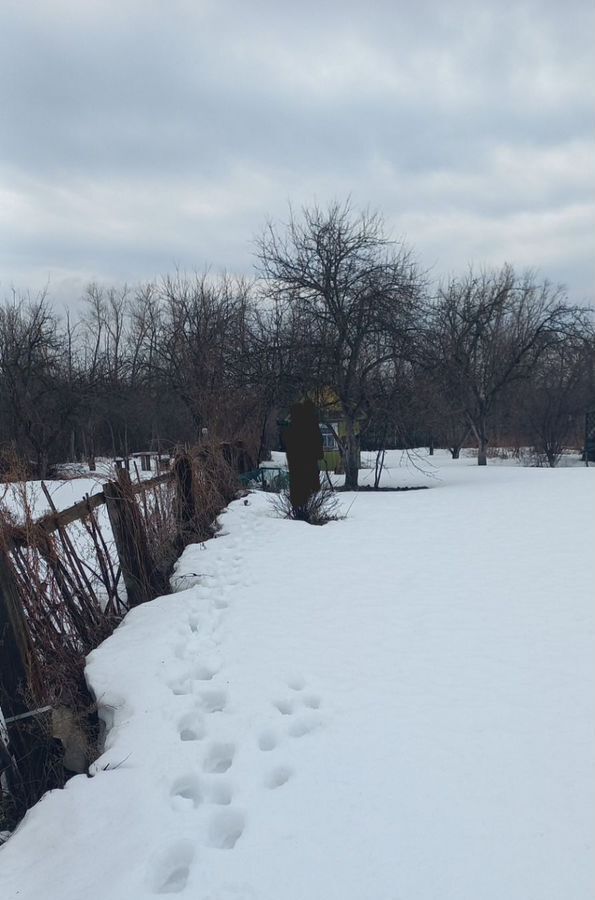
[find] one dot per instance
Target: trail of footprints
(300, 710)
(210, 790)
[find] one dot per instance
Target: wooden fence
(24, 734)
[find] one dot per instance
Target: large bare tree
(354, 294)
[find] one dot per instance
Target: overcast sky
(141, 135)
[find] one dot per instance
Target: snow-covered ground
(396, 706)
(77, 482)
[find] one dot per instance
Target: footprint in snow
(267, 741)
(213, 701)
(219, 758)
(225, 827)
(278, 777)
(191, 727)
(186, 791)
(204, 673)
(303, 725)
(288, 707)
(172, 868)
(181, 687)
(312, 701)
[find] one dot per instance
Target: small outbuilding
(144, 457)
(333, 427)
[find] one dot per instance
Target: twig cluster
(322, 507)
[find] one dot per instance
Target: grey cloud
(135, 135)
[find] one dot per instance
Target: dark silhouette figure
(303, 444)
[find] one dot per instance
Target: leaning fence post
(130, 539)
(16, 651)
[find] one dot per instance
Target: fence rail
(57, 519)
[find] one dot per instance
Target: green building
(331, 429)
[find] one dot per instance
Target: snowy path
(398, 706)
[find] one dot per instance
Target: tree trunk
(113, 437)
(261, 441)
(89, 449)
(379, 465)
(380, 456)
(42, 464)
(351, 455)
(481, 434)
(455, 452)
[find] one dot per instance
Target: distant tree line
(490, 357)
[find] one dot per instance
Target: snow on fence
(66, 580)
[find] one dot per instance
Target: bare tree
(203, 332)
(354, 294)
(558, 395)
(487, 332)
(40, 386)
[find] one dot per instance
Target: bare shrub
(215, 485)
(504, 453)
(538, 458)
(322, 507)
(158, 508)
(65, 616)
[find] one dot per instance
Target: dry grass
(215, 485)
